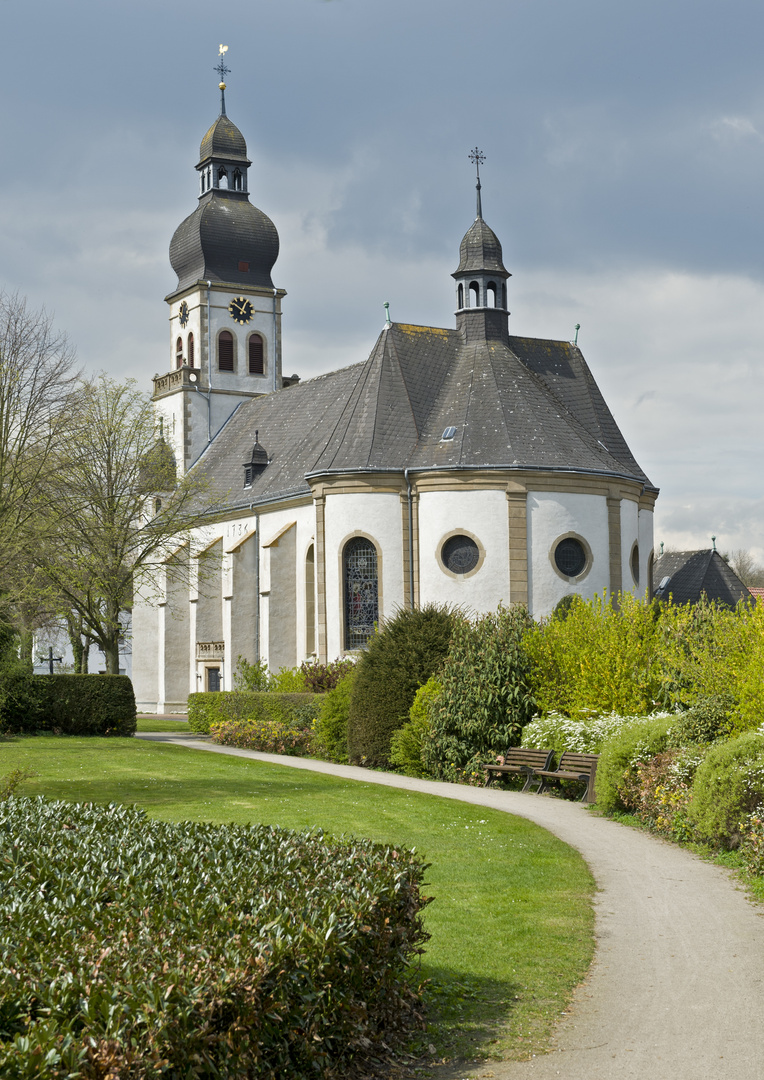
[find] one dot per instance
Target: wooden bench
(519, 760)
(577, 767)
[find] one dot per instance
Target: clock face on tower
(183, 313)
(241, 310)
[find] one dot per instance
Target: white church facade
(462, 466)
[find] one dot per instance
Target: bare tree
(37, 379)
(119, 509)
(745, 566)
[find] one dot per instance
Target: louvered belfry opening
(225, 351)
(256, 364)
(190, 350)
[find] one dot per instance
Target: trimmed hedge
(146, 949)
(290, 710)
(66, 704)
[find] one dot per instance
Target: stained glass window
(361, 591)
(570, 557)
(460, 554)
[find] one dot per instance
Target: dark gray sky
(624, 177)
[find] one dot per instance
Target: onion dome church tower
(225, 313)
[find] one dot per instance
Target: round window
(570, 557)
(460, 554)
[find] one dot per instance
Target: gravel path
(676, 990)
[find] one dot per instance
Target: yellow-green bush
(407, 744)
(727, 787)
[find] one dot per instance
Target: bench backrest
(534, 759)
(580, 763)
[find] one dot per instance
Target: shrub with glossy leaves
(486, 697)
(143, 949)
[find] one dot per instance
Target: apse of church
(465, 466)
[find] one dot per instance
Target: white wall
(550, 516)
(378, 516)
(484, 516)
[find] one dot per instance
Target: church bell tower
(225, 313)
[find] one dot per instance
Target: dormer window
(256, 463)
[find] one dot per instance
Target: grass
(511, 920)
(149, 724)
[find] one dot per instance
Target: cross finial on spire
(222, 71)
(477, 157)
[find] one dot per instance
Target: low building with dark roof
(464, 466)
(684, 577)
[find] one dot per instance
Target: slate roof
(224, 231)
(480, 249)
(690, 574)
(528, 404)
(223, 141)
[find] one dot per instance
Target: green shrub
(291, 710)
(707, 720)
(407, 744)
(399, 659)
(486, 698)
(147, 949)
(658, 791)
(10, 783)
(288, 681)
(331, 728)
(66, 704)
(251, 677)
(586, 735)
(752, 840)
(629, 747)
(597, 656)
(728, 786)
(267, 736)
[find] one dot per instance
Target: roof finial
(713, 541)
(386, 306)
(222, 71)
(477, 157)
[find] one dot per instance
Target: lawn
(511, 920)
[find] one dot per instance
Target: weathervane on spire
(477, 157)
(222, 71)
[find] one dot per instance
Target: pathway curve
(676, 990)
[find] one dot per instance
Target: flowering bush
(752, 840)
(268, 736)
(583, 736)
(658, 791)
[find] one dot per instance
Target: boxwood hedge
(66, 704)
(291, 710)
(137, 949)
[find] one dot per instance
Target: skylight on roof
(448, 434)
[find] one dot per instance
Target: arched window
(310, 601)
(237, 179)
(460, 295)
(256, 365)
(179, 353)
(490, 294)
(225, 351)
(359, 572)
(190, 350)
(504, 295)
(474, 294)
(222, 178)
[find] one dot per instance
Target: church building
(462, 466)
